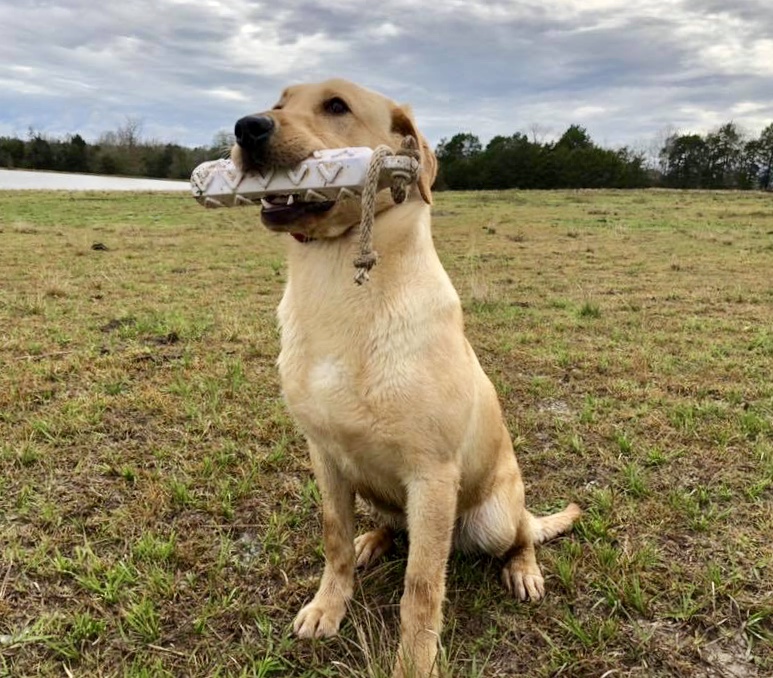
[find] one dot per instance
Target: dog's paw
(319, 619)
(369, 547)
(523, 581)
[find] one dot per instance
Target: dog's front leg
(322, 616)
(431, 512)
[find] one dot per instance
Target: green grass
(157, 510)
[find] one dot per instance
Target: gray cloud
(188, 69)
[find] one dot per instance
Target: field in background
(157, 511)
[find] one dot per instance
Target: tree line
(725, 158)
(119, 152)
(574, 161)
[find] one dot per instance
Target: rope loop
(367, 258)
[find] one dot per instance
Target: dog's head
(308, 118)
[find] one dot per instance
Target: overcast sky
(188, 68)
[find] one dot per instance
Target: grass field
(158, 516)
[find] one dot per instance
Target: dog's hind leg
(323, 615)
(521, 574)
(502, 527)
(370, 546)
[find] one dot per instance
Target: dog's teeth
(290, 199)
(265, 203)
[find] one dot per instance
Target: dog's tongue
(281, 215)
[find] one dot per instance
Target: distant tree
(109, 138)
(723, 148)
(574, 138)
(502, 144)
(654, 152)
(636, 172)
(684, 161)
(457, 160)
(222, 143)
(38, 153)
(460, 146)
(109, 162)
(157, 160)
(74, 155)
(509, 162)
(129, 134)
(11, 152)
(539, 133)
(183, 162)
(765, 157)
(128, 137)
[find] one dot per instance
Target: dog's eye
(336, 106)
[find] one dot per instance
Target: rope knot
(366, 260)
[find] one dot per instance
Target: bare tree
(655, 156)
(539, 133)
(222, 143)
(130, 132)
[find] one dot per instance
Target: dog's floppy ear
(403, 124)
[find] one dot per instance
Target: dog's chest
(344, 377)
(324, 394)
(337, 394)
(347, 419)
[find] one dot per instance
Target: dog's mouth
(280, 211)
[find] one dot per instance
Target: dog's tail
(544, 528)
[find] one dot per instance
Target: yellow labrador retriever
(383, 382)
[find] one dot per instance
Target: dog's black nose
(252, 131)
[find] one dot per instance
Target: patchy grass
(158, 515)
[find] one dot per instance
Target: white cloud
(260, 47)
(735, 57)
(227, 94)
(17, 86)
(583, 112)
(745, 107)
(384, 31)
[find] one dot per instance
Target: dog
(382, 381)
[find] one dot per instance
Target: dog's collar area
(300, 237)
